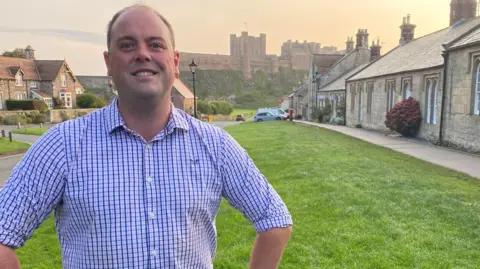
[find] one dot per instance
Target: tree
(16, 53)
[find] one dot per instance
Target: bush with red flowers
(405, 117)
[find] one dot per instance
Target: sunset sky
(75, 30)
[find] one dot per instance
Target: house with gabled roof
(30, 78)
(440, 70)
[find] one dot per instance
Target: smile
(144, 73)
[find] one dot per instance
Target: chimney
(407, 33)
(29, 53)
(362, 38)
(375, 50)
(350, 44)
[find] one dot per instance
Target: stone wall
(461, 126)
(5, 113)
(60, 115)
(376, 119)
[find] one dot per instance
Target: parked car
(240, 118)
(267, 116)
(274, 110)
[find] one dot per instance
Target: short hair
(120, 12)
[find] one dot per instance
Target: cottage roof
(182, 89)
(48, 69)
(422, 53)
(9, 67)
(339, 83)
(468, 39)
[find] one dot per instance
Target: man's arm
(8, 259)
(247, 190)
(268, 248)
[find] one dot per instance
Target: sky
(75, 30)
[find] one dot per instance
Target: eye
(126, 46)
(157, 46)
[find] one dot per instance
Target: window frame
(431, 99)
(64, 96)
(352, 97)
(390, 90)
(476, 91)
(369, 88)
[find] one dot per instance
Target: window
(369, 97)
(19, 79)
(49, 102)
(33, 84)
(431, 91)
(67, 98)
(476, 97)
(352, 95)
(1, 101)
(21, 96)
(390, 95)
(407, 90)
(63, 77)
(360, 100)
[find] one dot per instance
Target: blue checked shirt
(123, 202)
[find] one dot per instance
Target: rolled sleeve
(33, 189)
(247, 189)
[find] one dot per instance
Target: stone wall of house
(3, 93)
(57, 84)
(60, 115)
(12, 90)
(461, 126)
(376, 119)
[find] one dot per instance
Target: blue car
(266, 116)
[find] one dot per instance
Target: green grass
(6, 146)
(30, 131)
(247, 113)
(354, 205)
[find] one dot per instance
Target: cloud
(71, 35)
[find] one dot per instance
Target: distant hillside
(262, 90)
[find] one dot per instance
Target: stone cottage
(36, 79)
(182, 97)
(438, 70)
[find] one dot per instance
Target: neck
(147, 118)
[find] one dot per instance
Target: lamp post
(193, 68)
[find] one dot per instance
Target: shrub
(1, 119)
(88, 100)
(81, 114)
(221, 107)
(58, 103)
(405, 117)
(14, 120)
(39, 118)
(64, 116)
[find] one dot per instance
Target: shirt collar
(114, 119)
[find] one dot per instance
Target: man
(138, 184)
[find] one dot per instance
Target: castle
(249, 54)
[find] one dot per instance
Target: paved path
(455, 160)
(8, 163)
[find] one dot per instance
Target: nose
(143, 54)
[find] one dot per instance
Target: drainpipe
(444, 94)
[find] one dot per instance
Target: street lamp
(193, 68)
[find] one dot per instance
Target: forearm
(268, 248)
(8, 259)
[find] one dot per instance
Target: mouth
(144, 73)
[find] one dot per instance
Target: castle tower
(362, 38)
(407, 30)
(462, 9)
(246, 67)
(350, 44)
(29, 53)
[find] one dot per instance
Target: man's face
(141, 58)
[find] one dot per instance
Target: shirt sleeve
(33, 189)
(247, 189)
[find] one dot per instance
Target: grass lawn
(30, 131)
(354, 205)
(6, 146)
(247, 113)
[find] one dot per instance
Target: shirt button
(149, 179)
(149, 145)
(152, 215)
(154, 253)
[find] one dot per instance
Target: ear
(106, 57)
(176, 60)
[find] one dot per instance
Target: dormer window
(19, 79)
